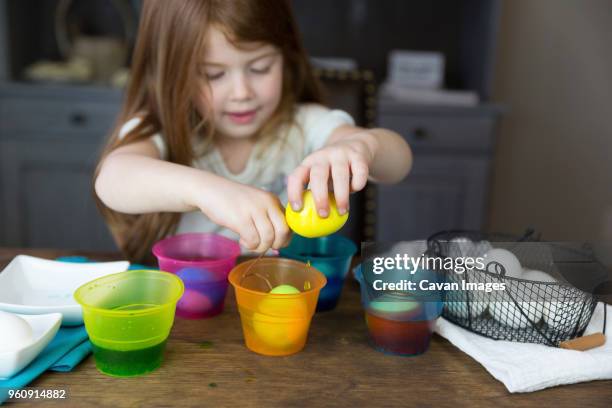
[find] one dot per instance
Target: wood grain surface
(207, 365)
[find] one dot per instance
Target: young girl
(222, 125)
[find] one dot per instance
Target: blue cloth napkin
(84, 259)
(67, 349)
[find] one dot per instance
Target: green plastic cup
(128, 317)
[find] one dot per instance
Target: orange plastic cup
(276, 324)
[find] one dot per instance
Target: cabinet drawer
(30, 115)
(473, 133)
(440, 193)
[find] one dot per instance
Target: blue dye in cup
(331, 255)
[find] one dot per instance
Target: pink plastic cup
(202, 261)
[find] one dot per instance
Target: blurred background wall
(552, 168)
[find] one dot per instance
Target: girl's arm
(392, 156)
(350, 156)
(133, 179)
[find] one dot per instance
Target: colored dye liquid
(274, 337)
(202, 300)
(128, 363)
(399, 337)
(328, 298)
(201, 313)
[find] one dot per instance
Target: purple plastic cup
(203, 262)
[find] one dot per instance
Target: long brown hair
(164, 80)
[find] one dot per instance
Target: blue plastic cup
(331, 255)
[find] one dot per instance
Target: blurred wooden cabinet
(448, 185)
(50, 139)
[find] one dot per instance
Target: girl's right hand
(257, 216)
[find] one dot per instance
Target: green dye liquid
(128, 363)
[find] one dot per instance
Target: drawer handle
(421, 133)
(78, 119)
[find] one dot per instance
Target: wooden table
(207, 365)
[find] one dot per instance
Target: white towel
(525, 367)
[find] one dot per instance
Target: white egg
(461, 247)
(505, 258)
(481, 248)
(411, 248)
(508, 314)
(550, 310)
(537, 276)
(460, 309)
(16, 332)
(557, 314)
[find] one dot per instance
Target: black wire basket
(526, 311)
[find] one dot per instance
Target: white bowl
(30, 285)
(44, 327)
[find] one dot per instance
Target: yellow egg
(309, 224)
(281, 321)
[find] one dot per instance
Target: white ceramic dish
(30, 285)
(44, 328)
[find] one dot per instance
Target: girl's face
(245, 85)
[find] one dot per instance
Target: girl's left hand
(346, 160)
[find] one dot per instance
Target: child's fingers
(281, 229)
(341, 183)
(359, 171)
(287, 240)
(266, 232)
(249, 237)
(295, 186)
(319, 175)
